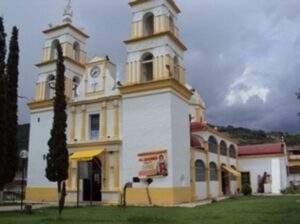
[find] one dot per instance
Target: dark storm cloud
(244, 56)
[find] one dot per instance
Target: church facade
(147, 133)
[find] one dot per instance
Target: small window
(148, 21)
(94, 126)
(200, 171)
(53, 53)
(213, 171)
(76, 50)
(50, 87)
(147, 67)
(76, 83)
(212, 144)
(223, 148)
(232, 151)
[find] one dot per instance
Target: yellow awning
(231, 170)
(86, 155)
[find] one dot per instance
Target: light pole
(23, 157)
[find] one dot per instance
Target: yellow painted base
(159, 196)
(41, 194)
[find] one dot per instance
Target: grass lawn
(253, 210)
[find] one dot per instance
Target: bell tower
(155, 107)
(155, 51)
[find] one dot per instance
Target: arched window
(76, 83)
(232, 176)
(200, 171)
(50, 87)
(76, 50)
(232, 151)
(176, 68)
(212, 144)
(148, 21)
(147, 67)
(223, 148)
(53, 53)
(213, 171)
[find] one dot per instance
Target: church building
(147, 132)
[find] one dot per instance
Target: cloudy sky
(243, 57)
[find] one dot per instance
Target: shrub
(291, 190)
(246, 189)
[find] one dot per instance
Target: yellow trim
(232, 171)
(66, 58)
(86, 155)
(38, 194)
(155, 85)
(171, 2)
(159, 196)
(90, 145)
(294, 163)
(92, 101)
(40, 104)
(96, 93)
(262, 156)
(55, 28)
(158, 35)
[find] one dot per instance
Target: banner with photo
(153, 163)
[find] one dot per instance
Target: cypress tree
(3, 109)
(12, 74)
(58, 156)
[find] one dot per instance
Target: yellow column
(155, 69)
(106, 171)
(83, 123)
(103, 121)
(140, 28)
(219, 172)
(116, 120)
(161, 67)
(73, 124)
(193, 177)
(138, 71)
(43, 90)
(117, 171)
(208, 192)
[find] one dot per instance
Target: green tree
(58, 156)
(2, 106)
(12, 73)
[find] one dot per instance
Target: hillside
(246, 136)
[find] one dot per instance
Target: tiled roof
(197, 126)
(196, 141)
(264, 149)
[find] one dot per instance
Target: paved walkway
(14, 208)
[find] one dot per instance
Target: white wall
(274, 166)
(39, 136)
(158, 121)
(214, 188)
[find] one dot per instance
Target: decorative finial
(68, 13)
